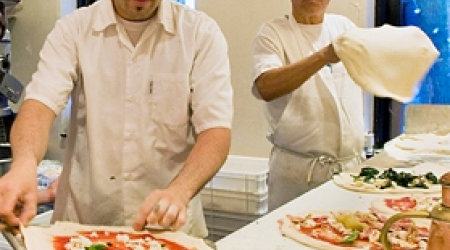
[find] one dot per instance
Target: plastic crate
(215, 234)
(227, 221)
(237, 202)
(242, 174)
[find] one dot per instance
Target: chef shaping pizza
(73, 236)
(351, 230)
(373, 180)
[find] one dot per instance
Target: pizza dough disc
(387, 61)
(41, 238)
(345, 180)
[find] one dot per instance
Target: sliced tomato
(402, 204)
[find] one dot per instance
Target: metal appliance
(10, 88)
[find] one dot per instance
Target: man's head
(136, 10)
(309, 11)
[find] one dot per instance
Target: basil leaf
(96, 247)
(349, 239)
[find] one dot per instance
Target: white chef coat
(133, 107)
(317, 129)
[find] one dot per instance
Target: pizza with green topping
(373, 180)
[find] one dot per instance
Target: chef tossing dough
(387, 61)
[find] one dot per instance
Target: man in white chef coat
(314, 109)
(149, 82)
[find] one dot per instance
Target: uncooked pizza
(389, 206)
(351, 230)
(425, 146)
(373, 180)
(393, 205)
(73, 236)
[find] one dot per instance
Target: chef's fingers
(181, 219)
(8, 201)
(170, 216)
(158, 212)
(150, 204)
(28, 211)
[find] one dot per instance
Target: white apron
(320, 131)
(105, 179)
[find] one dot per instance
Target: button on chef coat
(133, 108)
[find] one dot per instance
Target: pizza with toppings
(373, 180)
(351, 230)
(388, 206)
(73, 236)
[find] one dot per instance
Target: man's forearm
(30, 131)
(282, 81)
(206, 158)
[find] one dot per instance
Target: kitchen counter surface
(263, 234)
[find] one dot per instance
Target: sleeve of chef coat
(212, 93)
(267, 52)
(56, 73)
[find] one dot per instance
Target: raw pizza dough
(426, 146)
(289, 229)
(422, 203)
(387, 61)
(41, 238)
(345, 180)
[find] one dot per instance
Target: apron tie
(334, 164)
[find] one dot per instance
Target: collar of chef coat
(107, 16)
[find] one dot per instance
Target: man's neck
(308, 19)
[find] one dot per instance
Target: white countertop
(263, 234)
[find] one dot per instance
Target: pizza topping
(96, 247)
(390, 178)
(358, 229)
(408, 203)
(102, 240)
(350, 238)
(402, 204)
(78, 243)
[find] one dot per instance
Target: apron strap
(334, 164)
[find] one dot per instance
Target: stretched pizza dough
(379, 205)
(288, 230)
(345, 180)
(387, 61)
(41, 238)
(414, 146)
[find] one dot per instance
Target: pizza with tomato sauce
(73, 236)
(351, 230)
(389, 206)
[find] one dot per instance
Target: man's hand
(330, 54)
(166, 208)
(18, 196)
(48, 195)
